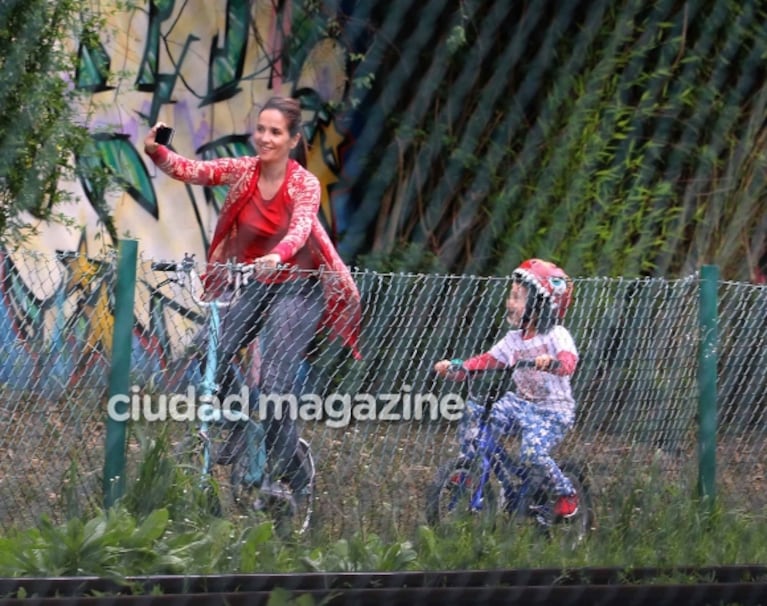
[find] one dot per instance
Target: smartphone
(164, 135)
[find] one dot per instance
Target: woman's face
(272, 137)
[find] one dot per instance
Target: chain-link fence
(637, 384)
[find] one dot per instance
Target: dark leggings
(284, 317)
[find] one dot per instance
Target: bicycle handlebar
(492, 393)
(457, 366)
(240, 273)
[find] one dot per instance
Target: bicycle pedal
(541, 514)
(275, 499)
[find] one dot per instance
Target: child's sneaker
(566, 506)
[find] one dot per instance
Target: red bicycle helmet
(549, 283)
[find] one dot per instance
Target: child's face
(515, 305)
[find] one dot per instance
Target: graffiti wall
(203, 67)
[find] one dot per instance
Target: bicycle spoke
(458, 493)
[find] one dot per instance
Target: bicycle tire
(231, 490)
(306, 502)
(570, 531)
(573, 530)
(448, 496)
(298, 521)
(291, 513)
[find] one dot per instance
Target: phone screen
(164, 135)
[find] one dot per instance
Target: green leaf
(151, 529)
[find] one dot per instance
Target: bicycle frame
(208, 385)
(496, 460)
(208, 413)
(251, 469)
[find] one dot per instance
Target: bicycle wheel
(571, 530)
(305, 497)
(449, 497)
(290, 511)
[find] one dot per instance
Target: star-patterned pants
(539, 430)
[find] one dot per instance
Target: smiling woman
(270, 219)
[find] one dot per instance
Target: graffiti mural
(203, 67)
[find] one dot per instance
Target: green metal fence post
(119, 375)
(707, 384)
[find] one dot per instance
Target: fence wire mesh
(636, 385)
(55, 343)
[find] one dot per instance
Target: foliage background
(43, 126)
(621, 138)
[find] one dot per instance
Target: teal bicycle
(225, 435)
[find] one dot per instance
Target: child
(543, 409)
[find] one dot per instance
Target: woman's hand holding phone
(159, 134)
(164, 135)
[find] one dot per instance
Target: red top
(261, 225)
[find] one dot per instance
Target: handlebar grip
(524, 364)
(164, 266)
(553, 365)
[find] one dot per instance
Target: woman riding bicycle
(270, 219)
(543, 409)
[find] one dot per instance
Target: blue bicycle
(492, 480)
(227, 436)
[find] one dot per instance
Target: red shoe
(461, 479)
(566, 506)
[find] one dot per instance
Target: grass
(159, 527)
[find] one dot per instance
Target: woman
(270, 218)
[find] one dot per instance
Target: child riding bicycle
(542, 409)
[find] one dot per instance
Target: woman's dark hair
(291, 109)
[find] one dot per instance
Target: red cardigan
(249, 227)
